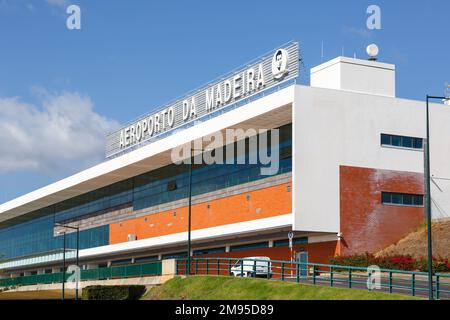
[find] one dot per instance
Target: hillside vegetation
(415, 244)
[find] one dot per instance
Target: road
(400, 284)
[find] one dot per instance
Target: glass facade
(34, 234)
(152, 189)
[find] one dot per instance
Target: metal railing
(117, 272)
(412, 283)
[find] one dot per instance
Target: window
(285, 242)
(202, 252)
(145, 259)
(177, 255)
(401, 141)
(121, 262)
(249, 246)
(402, 199)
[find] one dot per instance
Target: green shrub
(399, 262)
(357, 260)
(438, 265)
(113, 292)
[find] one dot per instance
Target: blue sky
(132, 56)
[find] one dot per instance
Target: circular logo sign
(279, 63)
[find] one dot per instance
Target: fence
(392, 281)
(117, 272)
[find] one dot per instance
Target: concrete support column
(169, 269)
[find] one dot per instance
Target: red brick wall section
(366, 224)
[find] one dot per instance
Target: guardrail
(116, 272)
(393, 281)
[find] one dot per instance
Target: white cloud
(358, 32)
(63, 133)
(63, 4)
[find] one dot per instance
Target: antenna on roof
(447, 94)
(321, 55)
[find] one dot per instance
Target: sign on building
(271, 70)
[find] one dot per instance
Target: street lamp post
(77, 256)
(188, 269)
(428, 195)
(64, 265)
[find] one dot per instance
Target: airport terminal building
(348, 177)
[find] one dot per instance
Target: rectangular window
(178, 255)
(401, 141)
(402, 199)
(145, 259)
(249, 246)
(386, 197)
(202, 252)
(418, 143)
(385, 139)
(285, 242)
(121, 262)
(418, 201)
(407, 142)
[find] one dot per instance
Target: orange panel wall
(366, 224)
(263, 203)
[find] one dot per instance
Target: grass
(227, 288)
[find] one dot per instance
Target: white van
(252, 267)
